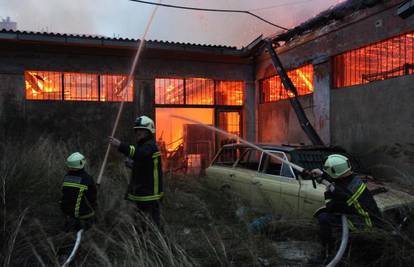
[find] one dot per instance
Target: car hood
(390, 198)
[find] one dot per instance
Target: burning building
(352, 66)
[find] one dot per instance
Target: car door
(279, 186)
(219, 174)
(244, 171)
(311, 198)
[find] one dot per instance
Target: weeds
(201, 227)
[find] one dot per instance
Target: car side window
(227, 157)
(249, 159)
(273, 166)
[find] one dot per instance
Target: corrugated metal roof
(95, 40)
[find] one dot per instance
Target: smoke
(123, 18)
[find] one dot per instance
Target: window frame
(62, 89)
(215, 102)
(282, 97)
(249, 150)
(285, 157)
(343, 76)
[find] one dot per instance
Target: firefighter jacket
(78, 195)
(146, 180)
(352, 197)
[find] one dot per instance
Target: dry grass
(201, 227)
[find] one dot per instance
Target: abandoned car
(271, 186)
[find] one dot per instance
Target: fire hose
(75, 248)
(345, 229)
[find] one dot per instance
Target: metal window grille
(169, 91)
(48, 85)
(43, 85)
(230, 122)
(230, 93)
(379, 61)
(115, 88)
(273, 90)
(199, 91)
(80, 86)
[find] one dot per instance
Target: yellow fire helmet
(336, 165)
(76, 161)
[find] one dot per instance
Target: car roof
(287, 147)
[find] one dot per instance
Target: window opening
(43, 85)
(272, 89)
(379, 61)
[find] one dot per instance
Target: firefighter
(350, 196)
(145, 187)
(79, 193)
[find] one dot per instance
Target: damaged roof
(337, 12)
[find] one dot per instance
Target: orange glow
(169, 91)
(230, 122)
(199, 91)
(386, 59)
(46, 85)
(43, 85)
(80, 86)
(115, 88)
(273, 89)
(171, 130)
(230, 93)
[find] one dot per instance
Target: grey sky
(123, 18)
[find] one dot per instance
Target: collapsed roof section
(337, 12)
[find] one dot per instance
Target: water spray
(329, 186)
(130, 78)
(293, 165)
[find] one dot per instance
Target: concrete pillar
(249, 111)
(321, 98)
(145, 98)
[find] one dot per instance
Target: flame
(305, 79)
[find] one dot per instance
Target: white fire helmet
(76, 161)
(143, 122)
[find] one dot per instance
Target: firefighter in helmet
(350, 196)
(145, 187)
(79, 193)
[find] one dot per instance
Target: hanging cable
(213, 10)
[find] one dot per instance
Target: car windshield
(228, 156)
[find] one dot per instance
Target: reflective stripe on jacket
(146, 180)
(78, 195)
(351, 196)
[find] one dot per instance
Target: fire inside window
(198, 91)
(386, 59)
(68, 86)
(230, 122)
(273, 90)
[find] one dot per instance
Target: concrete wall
(376, 122)
(278, 122)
